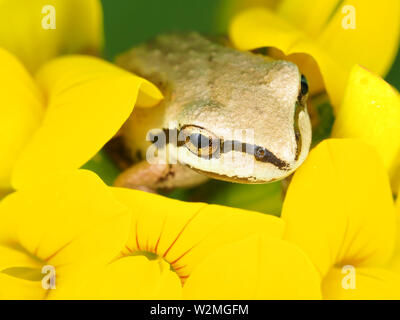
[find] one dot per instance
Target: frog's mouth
(235, 179)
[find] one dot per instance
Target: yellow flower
(326, 38)
(60, 119)
(339, 210)
(129, 278)
(371, 111)
(219, 252)
(77, 227)
(26, 28)
(254, 268)
(68, 224)
(110, 243)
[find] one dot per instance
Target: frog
(227, 114)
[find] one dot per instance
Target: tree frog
(227, 114)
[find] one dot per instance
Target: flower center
(149, 255)
(153, 256)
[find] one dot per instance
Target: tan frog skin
(239, 117)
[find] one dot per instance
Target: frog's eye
(200, 142)
(304, 85)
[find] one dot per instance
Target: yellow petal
(308, 15)
(395, 175)
(21, 109)
(394, 264)
(14, 256)
(78, 28)
(185, 233)
(373, 42)
(88, 101)
(12, 288)
(368, 284)
(371, 112)
(228, 8)
(254, 268)
(259, 27)
(339, 207)
(128, 278)
(373, 45)
(65, 221)
(8, 226)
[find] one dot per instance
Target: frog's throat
(222, 147)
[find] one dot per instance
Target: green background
(129, 22)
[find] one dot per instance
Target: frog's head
(255, 129)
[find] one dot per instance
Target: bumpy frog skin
(239, 116)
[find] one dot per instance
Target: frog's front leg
(151, 177)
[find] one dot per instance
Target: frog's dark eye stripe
(208, 148)
(260, 153)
